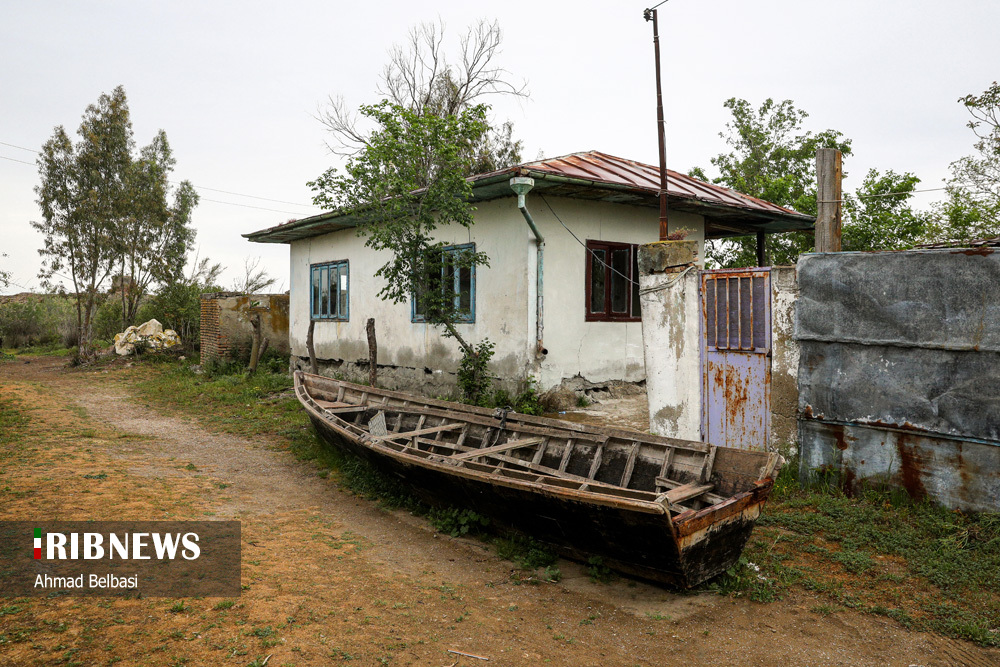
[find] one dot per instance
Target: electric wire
(542, 197)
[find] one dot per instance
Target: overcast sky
(236, 87)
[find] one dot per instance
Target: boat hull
(641, 539)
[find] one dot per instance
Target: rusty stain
(911, 467)
(982, 252)
(838, 433)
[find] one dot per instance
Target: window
(452, 279)
(612, 277)
(330, 295)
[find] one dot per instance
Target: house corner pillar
(671, 309)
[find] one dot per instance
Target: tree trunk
(313, 366)
(372, 353)
(255, 345)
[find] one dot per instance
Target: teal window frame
(468, 317)
(329, 275)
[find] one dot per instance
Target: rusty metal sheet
(736, 362)
(937, 391)
(940, 299)
(958, 473)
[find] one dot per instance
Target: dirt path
(330, 577)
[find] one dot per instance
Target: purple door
(736, 357)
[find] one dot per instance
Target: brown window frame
(607, 315)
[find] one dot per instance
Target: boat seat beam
(497, 449)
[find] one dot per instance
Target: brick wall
(214, 344)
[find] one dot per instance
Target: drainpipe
(521, 185)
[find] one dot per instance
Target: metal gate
(736, 357)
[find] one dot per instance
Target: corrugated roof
(603, 168)
(598, 176)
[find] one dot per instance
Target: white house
(590, 211)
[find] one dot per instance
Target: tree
(972, 208)
(104, 208)
(404, 183)
(772, 159)
(4, 275)
(154, 238)
(419, 78)
(879, 217)
(254, 279)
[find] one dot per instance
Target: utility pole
(650, 15)
(829, 174)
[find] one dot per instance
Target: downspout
(521, 185)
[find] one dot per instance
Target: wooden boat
(674, 511)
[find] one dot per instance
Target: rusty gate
(736, 357)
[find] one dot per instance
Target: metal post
(829, 173)
(761, 249)
(650, 15)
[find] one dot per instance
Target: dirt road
(329, 577)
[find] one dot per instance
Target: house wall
(225, 322)
(672, 331)
(899, 374)
(417, 356)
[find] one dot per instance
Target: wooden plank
(595, 465)
(687, 492)
(497, 449)
(706, 469)
(413, 434)
(464, 434)
(540, 452)
(340, 393)
(768, 469)
(326, 405)
(566, 454)
(630, 465)
(341, 411)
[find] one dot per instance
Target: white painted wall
(671, 323)
(505, 295)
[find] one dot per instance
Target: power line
(30, 150)
(200, 187)
(4, 157)
(237, 194)
(261, 208)
(584, 244)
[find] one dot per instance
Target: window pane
(597, 269)
(635, 285)
(465, 291)
(324, 287)
(619, 280)
(314, 305)
(342, 311)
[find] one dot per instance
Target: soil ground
(331, 578)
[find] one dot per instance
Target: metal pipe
(521, 185)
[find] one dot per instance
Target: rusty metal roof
(602, 177)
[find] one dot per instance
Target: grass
(878, 552)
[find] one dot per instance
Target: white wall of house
(505, 295)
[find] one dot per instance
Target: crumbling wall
(899, 375)
(784, 359)
(225, 323)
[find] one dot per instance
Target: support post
(829, 174)
(313, 366)
(650, 15)
(372, 353)
(761, 249)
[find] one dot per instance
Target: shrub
(474, 378)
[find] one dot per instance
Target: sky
(237, 87)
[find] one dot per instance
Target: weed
(553, 574)
(598, 571)
(100, 475)
(225, 604)
(178, 608)
(527, 552)
(582, 401)
(455, 522)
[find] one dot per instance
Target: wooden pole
(372, 353)
(829, 174)
(313, 366)
(650, 15)
(761, 249)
